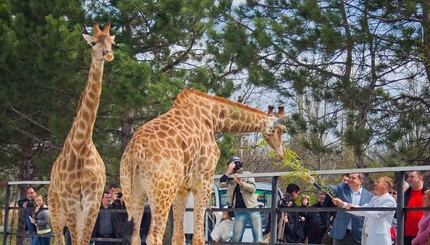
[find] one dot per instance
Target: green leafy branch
(295, 163)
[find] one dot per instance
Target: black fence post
(6, 215)
(273, 229)
(400, 214)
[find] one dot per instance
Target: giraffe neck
(237, 119)
(83, 124)
(223, 115)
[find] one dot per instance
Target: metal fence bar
(400, 209)
(400, 213)
(6, 215)
(273, 213)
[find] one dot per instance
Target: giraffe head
(273, 132)
(102, 42)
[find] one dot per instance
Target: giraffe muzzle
(108, 55)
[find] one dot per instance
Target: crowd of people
(112, 224)
(350, 225)
(108, 224)
(346, 226)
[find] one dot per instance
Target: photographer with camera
(240, 194)
(118, 218)
(289, 228)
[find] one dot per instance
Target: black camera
(237, 163)
(286, 202)
(119, 195)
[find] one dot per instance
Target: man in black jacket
(105, 225)
(28, 204)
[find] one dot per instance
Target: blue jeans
(240, 219)
(45, 240)
(34, 240)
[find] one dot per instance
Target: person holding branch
(376, 228)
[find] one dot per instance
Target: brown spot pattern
(180, 155)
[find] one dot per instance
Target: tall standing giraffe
(176, 153)
(78, 175)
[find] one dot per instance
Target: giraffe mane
(80, 102)
(187, 92)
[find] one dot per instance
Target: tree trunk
(25, 172)
(127, 130)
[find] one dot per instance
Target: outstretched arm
(386, 203)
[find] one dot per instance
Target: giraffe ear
(88, 38)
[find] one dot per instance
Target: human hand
(285, 219)
(349, 206)
(302, 218)
(24, 205)
(338, 202)
(237, 179)
(33, 221)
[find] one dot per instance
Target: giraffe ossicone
(78, 175)
(176, 154)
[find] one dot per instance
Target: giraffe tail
(127, 176)
(128, 232)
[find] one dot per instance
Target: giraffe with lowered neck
(176, 153)
(78, 175)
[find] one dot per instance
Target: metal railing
(400, 209)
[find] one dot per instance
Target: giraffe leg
(90, 211)
(90, 197)
(179, 206)
(57, 220)
(202, 193)
(160, 201)
(72, 225)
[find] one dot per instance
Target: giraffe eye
(93, 43)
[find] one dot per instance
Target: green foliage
(226, 144)
(338, 68)
(293, 162)
(39, 68)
